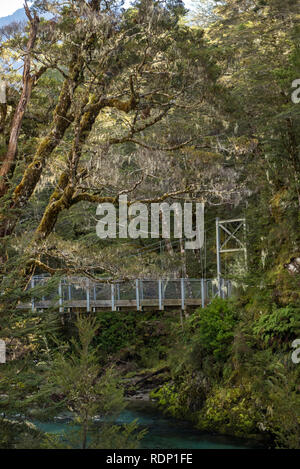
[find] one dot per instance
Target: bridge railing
(81, 292)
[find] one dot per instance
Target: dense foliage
(160, 105)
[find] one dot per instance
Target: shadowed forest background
(160, 104)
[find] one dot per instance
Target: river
(163, 432)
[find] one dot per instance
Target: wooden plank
(150, 302)
(46, 304)
(172, 302)
(193, 301)
(126, 303)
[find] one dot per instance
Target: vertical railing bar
(88, 295)
(69, 296)
(94, 298)
(160, 302)
(222, 288)
(202, 293)
(137, 294)
(61, 309)
(182, 293)
(113, 307)
(218, 255)
(32, 298)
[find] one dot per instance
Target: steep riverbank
(216, 370)
(155, 393)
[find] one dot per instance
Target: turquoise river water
(163, 432)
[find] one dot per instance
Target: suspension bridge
(81, 293)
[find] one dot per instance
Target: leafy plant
(213, 328)
(279, 326)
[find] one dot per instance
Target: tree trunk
(28, 80)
